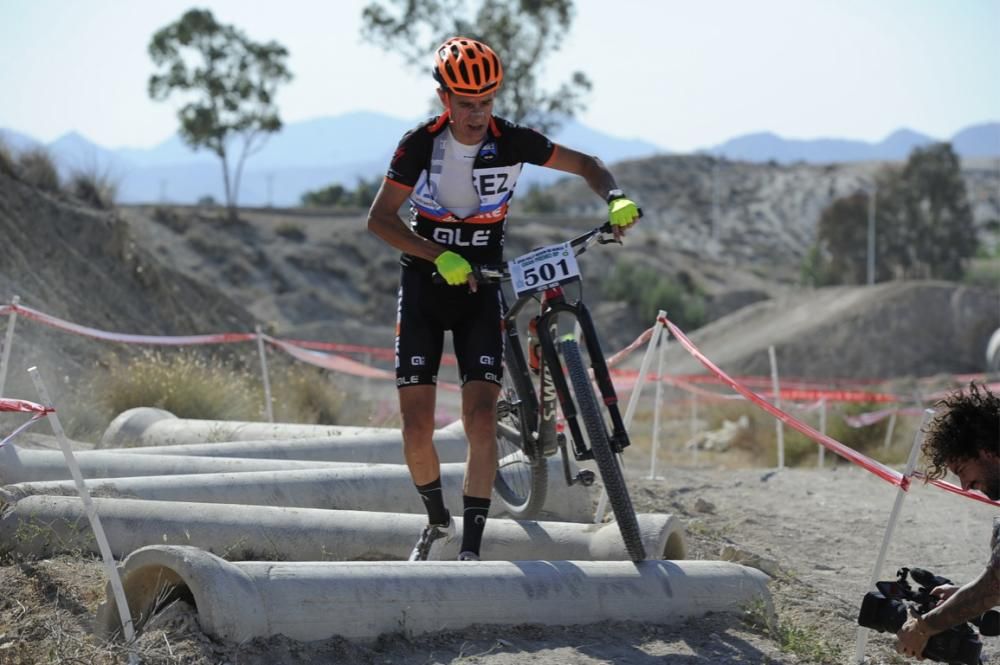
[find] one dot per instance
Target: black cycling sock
(473, 522)
(434, 502)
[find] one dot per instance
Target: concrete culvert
(375, 446)
(363, 600)
(21, 465)
(42, 526)
(147, 426)
(377, 487)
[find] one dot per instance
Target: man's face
(979, 473)
(470, 116)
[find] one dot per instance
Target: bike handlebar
(498, 272)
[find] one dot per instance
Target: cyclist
(458, 171)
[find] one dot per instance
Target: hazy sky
(682, 74)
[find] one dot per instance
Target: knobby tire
(522, 477)
(607, 464)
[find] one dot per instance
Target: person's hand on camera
(911, 640)
(944, 592)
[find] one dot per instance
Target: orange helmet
(467, 67)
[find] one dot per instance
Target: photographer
(963, 438)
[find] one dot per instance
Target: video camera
(886, 610)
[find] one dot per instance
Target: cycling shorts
(426, 310)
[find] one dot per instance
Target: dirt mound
(83, 265)
(885, 331)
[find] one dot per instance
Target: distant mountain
(976, 141)
(17, 141)
(314, 153)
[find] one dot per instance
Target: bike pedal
(585, 477)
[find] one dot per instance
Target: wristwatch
(615, 194)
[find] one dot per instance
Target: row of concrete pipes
(301, 530)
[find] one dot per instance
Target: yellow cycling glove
(622, 211)
(452, 267)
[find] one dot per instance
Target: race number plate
(543, 268)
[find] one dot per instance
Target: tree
(522, 32)
(337, 196)
(924, 226)
(229, 82)
(935, 210)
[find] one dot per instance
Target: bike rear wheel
(522, 475)
(607, 464)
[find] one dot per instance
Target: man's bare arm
(969, 601)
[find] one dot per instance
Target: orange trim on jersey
(555, 149)
(493, 126)
(483, 218)
(440, 122)
(392, 182)
(488, 217)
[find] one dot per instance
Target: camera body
(887, 609)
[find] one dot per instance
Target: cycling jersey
(417, 165)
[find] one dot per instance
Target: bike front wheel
(522, 475)
(604, 456)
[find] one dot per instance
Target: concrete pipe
(363, 600)
(43, 526)
(147, 426)
(371, 487)
(387, 448)
(20, 465)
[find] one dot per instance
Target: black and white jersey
(417, 164)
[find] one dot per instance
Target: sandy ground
(817, 531)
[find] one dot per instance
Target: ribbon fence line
(873, 466)
(22, 406)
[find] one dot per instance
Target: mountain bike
(554, 373)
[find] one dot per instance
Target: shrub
(184, 383)
(36, 168)
(8, 163)
(291, 231)
(191, 384)
(305, 394)
(649, 290)
(96, 189)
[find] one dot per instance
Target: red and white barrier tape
(34, 419)
(22, 406)
(164, 340)
(339, 363)
(872, 417)
(873, 466)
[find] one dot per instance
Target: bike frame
(552, 381)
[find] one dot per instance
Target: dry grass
(37, 168)
(197, 384)
(8, 162)
(96, 189)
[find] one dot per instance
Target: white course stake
(268, 410)
(657, 407)
(862, 638)
(779, 425)
(822, 429)
(640, 380)
(693, 424)
(889, 430)
(8, 340)
(95, 521)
